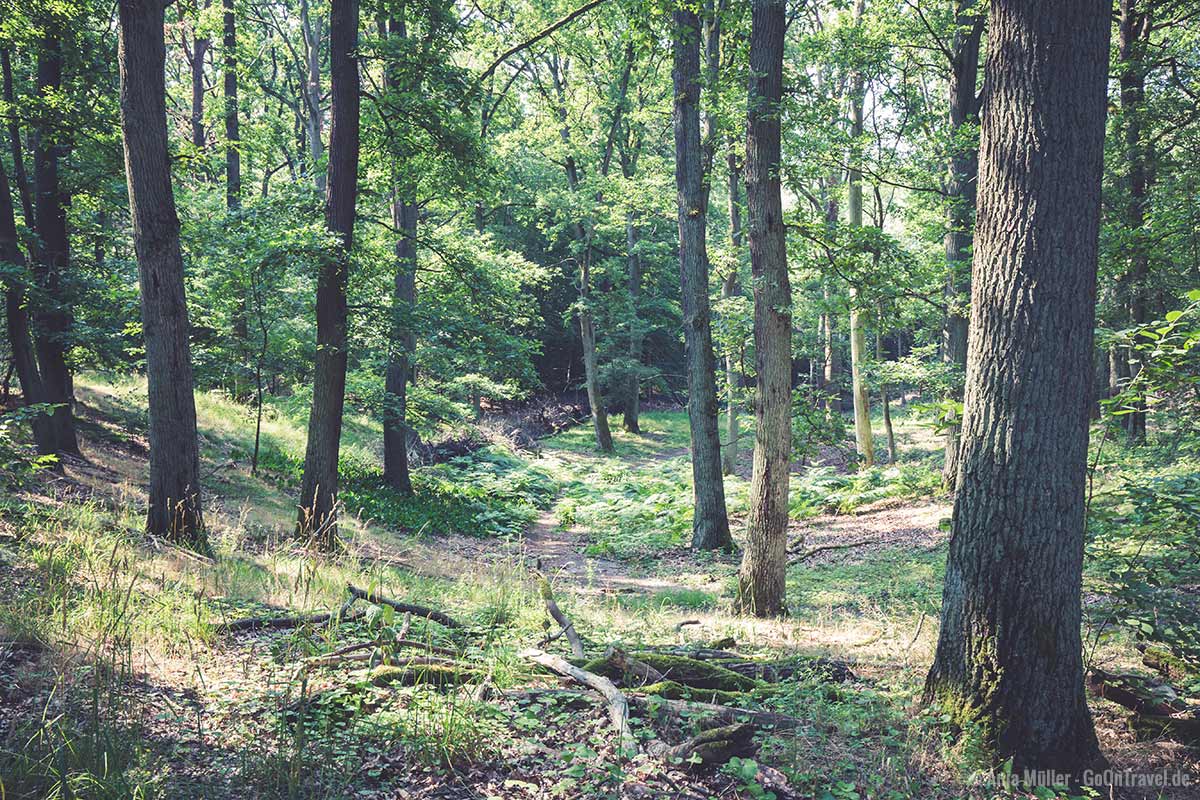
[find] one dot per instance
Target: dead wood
(566, 627)
(807, 554)
(711, 714)
(630, 667)
(618, 706)
(711, 747)
(417, 611)
(344, 614)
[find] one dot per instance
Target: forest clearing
(634, 399)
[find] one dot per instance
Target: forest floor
(117, 679)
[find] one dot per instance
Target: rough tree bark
(1009, 652)
(960, 202)
(761, 579)
(318, 489)
(52, 316)
(710, 522)
(175, 510)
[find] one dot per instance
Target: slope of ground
(116, 679)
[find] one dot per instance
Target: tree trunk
(402, 348)
(1134, 26)
(318, 489)
(710, 522)
(960, 205)
(200, 47)
(1009, 653)
(863, 437)
(883, 396)
(233, 144)
(729, 289)
(761, 579)
(18, 156)
(52, 322)
(17, 320)
(175, 508)
(311, 28)
(634, 260)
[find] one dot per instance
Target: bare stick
(807, 554)
(618, 707)
(568, 627)
(417, 611)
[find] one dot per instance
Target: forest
(702, 399)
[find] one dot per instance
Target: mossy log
(677, 691)
(681, 669)
(423, 672)
(709, 715)
(712, 747)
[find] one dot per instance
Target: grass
(119, 683)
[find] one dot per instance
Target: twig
(807, 554)
(618, 706)
(418, 611)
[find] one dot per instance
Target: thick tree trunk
(729, 289)
(960, 204)
(175, 509)
(710, 522)
(20, 342)
(1134, 26)
(318, 489)
(1009, 654)
(53, 321)
(402, 348)
(233, 143)
(634, 282)
(863, 438)
(761, 579)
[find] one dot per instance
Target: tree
(318, 489)
(52, 315)
(233, 139)
(963, 58)
(710, 523)
(858, 338)
(1009, 652)
(761, 579)
(175, 508)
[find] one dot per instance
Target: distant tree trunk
(311, 28)
(18, 156)
(233, 143)
(864, 439)
(53, 322)
(710, 522)
(883, 396)
(318, 489)
(200, 47)
(1133, 28)
(1009, 655)
(403, 346)
(960, 203)
(761, 579)
(729, 289)
(634, 260)
(175, 508)
(17, 320)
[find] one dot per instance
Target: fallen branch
(629, 666)
(417, 611)
(807, 554)
(294, 621)
(347, 653)
(618, 706)
(567, 627)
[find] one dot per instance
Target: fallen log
(1157, 710)
(430, 614)
(631, 667)
(618, 706)
(350, 652)
(711, 714)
